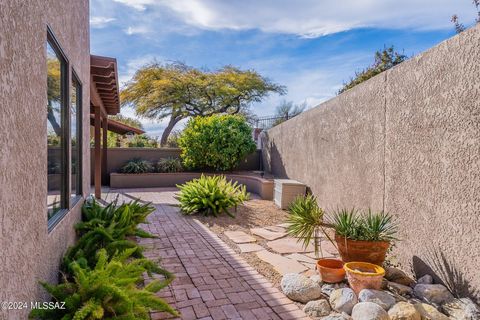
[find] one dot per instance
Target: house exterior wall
(29, 253)
(407, 141)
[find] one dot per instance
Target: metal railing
(267, 122)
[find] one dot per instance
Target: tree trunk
(173, 121)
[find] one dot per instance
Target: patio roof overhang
(104, 90)
(118, 127)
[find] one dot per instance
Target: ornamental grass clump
(169, 165)
(137, 166)
(211, 195)
(109, 291)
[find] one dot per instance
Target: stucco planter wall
(262, 187)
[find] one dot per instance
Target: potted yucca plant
(306, 223)
(363, 237)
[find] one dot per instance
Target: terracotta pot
(365, 251)
(364, 275)
(331, 270)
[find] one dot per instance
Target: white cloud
(100, 22)
(127, 72)
(312, 18)
(137, 30)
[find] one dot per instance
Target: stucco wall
(407, 141)
(30, 253)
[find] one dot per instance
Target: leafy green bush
(217, 142)
(369, 226)
(137, 166)
(306, 221)
(107, 227)
(108, 291)
(211, 195)
(169, 165)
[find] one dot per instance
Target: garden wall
(117, 157)
(408, 142)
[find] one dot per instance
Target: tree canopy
(177, 91)
(384, 60)
(287, 110)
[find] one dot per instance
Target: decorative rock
(317, 308)
(316, 278)
(428, 312)
(462, 309)
(398, 276)
(381, 298)
(327, 288)
(399, 289)
(250, 247)
(336, 316)
(433, 293)
(343, 300)
(404, 311)
(369, 311)
(426, 279)
(281, 264)
(267, 234)
(299, 288)
(289, 245)
(239, 236)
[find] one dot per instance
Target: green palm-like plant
(380, 226)
(109, 291)
(306, 221)
(211, 195)
(137, 166)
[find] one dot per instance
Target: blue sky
(310, 46)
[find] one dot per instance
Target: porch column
(98, 156)
(104, 150)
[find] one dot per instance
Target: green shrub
(137, 166)
(211, 195)
(169, 165)
(217, 142)
(107, 227)
(369, 226)
(306, 221)
(108, 291)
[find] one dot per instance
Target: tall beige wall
(407, 141)
(30, 253)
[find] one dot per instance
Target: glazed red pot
(362, 251)
(331, 270)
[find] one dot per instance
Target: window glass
(75, 138)
(54, 131)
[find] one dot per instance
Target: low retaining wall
(408, 142)
(262, 187)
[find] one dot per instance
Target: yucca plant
(137, 166)
(111, 290)
(306, 221)
(211, 195)
(169, 165)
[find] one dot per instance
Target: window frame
(65, 127)
(79, 126)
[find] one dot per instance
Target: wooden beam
(98, 156)
(104, 150)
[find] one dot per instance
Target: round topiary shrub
(217, 142)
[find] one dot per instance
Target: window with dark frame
(76, 139)
(58, 132)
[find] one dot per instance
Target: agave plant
(169, 165)
(137, 166)
(111, 290)
(306, 221)
(211, 195)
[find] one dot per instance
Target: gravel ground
(253, 213)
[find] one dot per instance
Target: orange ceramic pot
(363, 275)
(365, 251)
(331, 270)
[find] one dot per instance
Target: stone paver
(276, 229)
(301, 258)
(267, 234)
(281, 264)
(249, 247)
(239, 237)
(289, 245)
(212, 281)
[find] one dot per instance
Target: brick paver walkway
(212, 281)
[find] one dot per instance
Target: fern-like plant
(111, 290)
(211, 195)
(137, 166)
(306, 221)
(169, 165)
